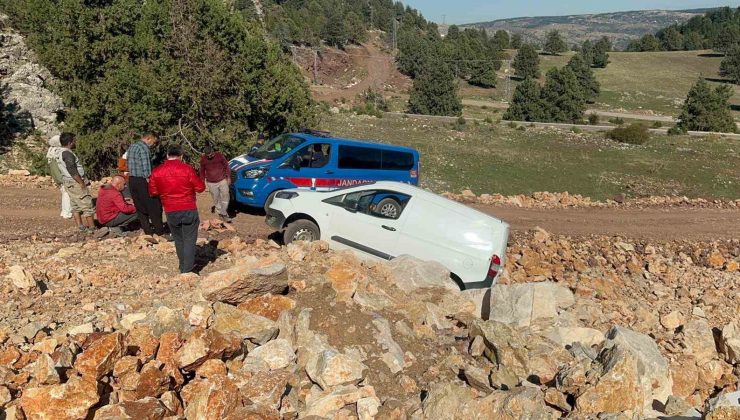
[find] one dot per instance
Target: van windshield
(278, 147)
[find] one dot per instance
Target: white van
(383, 220)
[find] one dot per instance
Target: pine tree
(730, 66)
(516, 41)
(586, 79)
(501, 39)
(672, 39)
(727, 38)
(435, 92)
(526, 104)
(562, 96)
(527, 62)
(600, 57)
(335, 32)
(693, 41)
(483, 75)
(587, 51)
(554, 44)
(707, 109)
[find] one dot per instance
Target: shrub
(617, 121)
(676, 131)
(461, 121)
(576, 130)
(522, 128)
(513, 125)
(593, 119)
(631, 134)
(488, 120)
(657, 124)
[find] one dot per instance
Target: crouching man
(113, 210)
(176, 184)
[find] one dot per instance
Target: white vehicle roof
(409, 189)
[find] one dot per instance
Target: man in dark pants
(176, 183)
(139, 162)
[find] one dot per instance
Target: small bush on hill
(631, 134)
(617, 121)
(657, 124)
(593, 119)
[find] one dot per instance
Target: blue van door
(311, 167)
(363, 163)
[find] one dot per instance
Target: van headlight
(255, 173)
(286, 195)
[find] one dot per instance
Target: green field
(497, 159)
(638, 82)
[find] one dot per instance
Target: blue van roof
(353, 142)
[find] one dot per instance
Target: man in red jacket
(214, 170)
(112, 209)
(176, 184)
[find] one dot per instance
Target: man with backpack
(73, 179)
(53, 155)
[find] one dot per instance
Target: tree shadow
(711, 55)
(14, 121)
(718, 80)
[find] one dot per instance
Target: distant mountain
(620, 27)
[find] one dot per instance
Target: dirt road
(29, 211)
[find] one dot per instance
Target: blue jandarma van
(316, 161)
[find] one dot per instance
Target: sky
(470, 11)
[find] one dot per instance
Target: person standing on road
(139, 163)
(73, 180)
(214, 170)
(176, 183)
(53, 155)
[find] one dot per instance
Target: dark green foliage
(526, 104)
(657, 124)
(188, 69)
(617, 120)
(563, 97)
(516, 41)
(501, 39)
(707, 109)
(483, 75)
(718, 29)
(527, 62)
(587, 51)
(355, 28)
(586, 79)
(672, 39)
(647, 43)
(373, 103)
(593, 119)
(335, 33)
(554, 44)
(435, 92)
(631, 134)
(730, 66)
(600, 56)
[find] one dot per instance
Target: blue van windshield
(278, 147)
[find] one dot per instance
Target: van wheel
(390, 208)
(270, 199)
(301, 230)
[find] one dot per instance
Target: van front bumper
(275, 219)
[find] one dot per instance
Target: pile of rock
(548, 200)
(21, 178)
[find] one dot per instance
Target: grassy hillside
(635, 81)
(495, 159)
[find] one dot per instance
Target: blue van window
(397, 161)
(278, 147)
(353, 157)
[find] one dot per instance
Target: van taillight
(495, 266)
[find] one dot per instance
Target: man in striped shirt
(139, 161)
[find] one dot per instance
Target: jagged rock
(254, 412)
(240, 283)
(82, 329)
(699, 341)
(152, 381)
(140, 342)
(71, 400)
(327, 403)
(676, 406)
(410, 273)
(557, 399)
(172, 402)
(5, 396)
(277, 354)
(332, 369)
(503, 378)
(672, 320)
(126, 364)
(144, 409)
(730, 342)
(44, 372)
(166, 319)
(367, 408)
(520, 403)
(269, 306)
(523, 304)
(21, 279)
(566, 336)
(264, 388)
(478, 378)
(200, 315)
(211, 398)
(128, 320)
(504, 345)
(343, 278)
(203, 345)
(446, 399)
(393, 355)
(211, 367)
(98, 360)
(685, 376)
(618, 388)
(723, 407)
(229, 319)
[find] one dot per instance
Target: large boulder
(446, 398)
(523, 304)
(100, 357)
(410, 273)
(203, 345)
(326, 404)
(277, 354)
(723, 407)
(144, 409)
(332, 369)
(211, 398)
(523, 403)
(230, 319)
(242, 282)
(699, 341)
(730, 342)
(21, 279)
(71, 400)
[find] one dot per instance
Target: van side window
(397, 161)
(382, 204)
(314, 155)
(355, 157)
